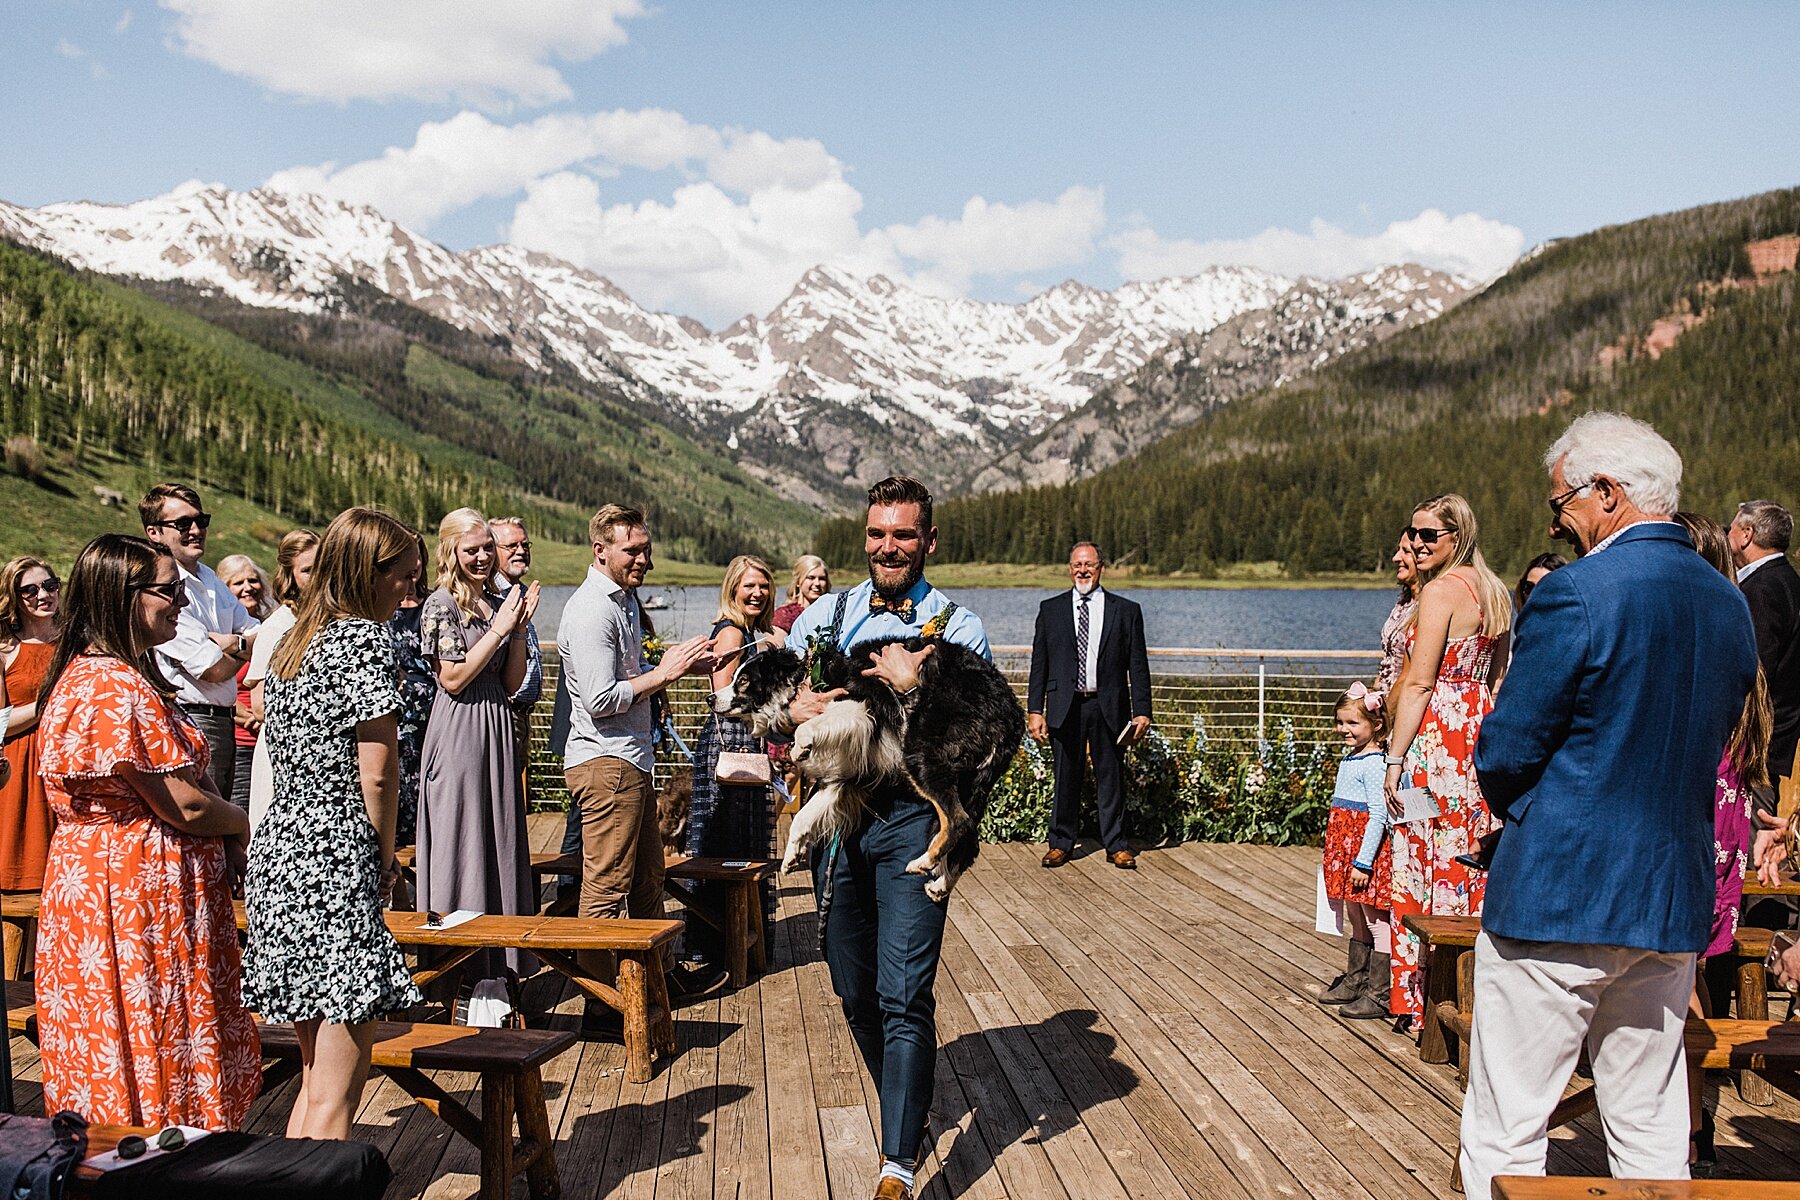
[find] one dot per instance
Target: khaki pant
(621, 847)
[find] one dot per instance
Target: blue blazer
(1629, 672)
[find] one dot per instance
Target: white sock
(894, 1170)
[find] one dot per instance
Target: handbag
(743, 768)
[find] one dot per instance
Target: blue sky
(704, 154)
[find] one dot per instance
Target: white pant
(1535, 1003)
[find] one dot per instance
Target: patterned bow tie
(900, 608)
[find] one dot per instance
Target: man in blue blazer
(1629, 672)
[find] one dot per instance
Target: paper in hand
(1417, 804)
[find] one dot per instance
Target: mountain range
(845, 379)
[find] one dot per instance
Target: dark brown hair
(100, 608)
(904, 489)
(12, 612)
(150, 508)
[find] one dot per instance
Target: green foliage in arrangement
(1185, 789)
(302, 416)
(1320, 473)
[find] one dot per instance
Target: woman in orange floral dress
(139, 1012)
(1438, 705)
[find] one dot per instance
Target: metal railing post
(1262, 688)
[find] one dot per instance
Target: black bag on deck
(242, 1166)
(36, 1156)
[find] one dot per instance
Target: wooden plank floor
(1104, 1034)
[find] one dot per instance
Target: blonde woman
(320, 954)
(1438, 704)
(812, 579)
(294, 559)
(727, 820)
(472, 849)
(247, 581)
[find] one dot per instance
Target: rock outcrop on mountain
(845, 378)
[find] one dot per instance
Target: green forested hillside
(1320, 473)
(302, 416)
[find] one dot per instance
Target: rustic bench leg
(1465, 1005)
(498, 1104)
(737, 933)
(1753, 1005)
(1440, 984)
(534, 1135)
(662, 1012)
(637, 1018)
(759, 932)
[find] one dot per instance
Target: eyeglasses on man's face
(184, 525)
(1558, 503)
(29, 591)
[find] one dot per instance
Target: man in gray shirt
(608, 758)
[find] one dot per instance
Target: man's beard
(1086, 586)
(915, 571)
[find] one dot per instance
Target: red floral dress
(1426, 878)
(137, 964)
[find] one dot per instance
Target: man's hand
(1036, 726)
(1771, 847)
(686, 658)
(227, 644)
(1139, 727)
(1787, 967)
(808, 704)
(898, 667)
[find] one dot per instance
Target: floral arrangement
(654, 645)
(1186, 788)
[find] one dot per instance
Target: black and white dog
(949, 740)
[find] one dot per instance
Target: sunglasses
(49, 588)
(132, 1146)
(184, 525)
(174, 591)
(1427, 536)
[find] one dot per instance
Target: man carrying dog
(882, 934)
(1089, 693)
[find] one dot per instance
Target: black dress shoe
(690, 981)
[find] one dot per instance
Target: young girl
(1357, 859)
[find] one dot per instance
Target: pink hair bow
(1360, 691)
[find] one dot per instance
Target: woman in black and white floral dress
(321, 862)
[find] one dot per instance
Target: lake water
(1196, 618)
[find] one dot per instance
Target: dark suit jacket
(1122, 685)
(1773, 591)
(1629, 672)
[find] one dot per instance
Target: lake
(1196, 618)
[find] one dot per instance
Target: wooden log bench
(739, 922)
(1581, 1187)
(509, 1062)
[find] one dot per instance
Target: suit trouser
(883, 936)
(1535, 1004)
(621, 845)
(1083, 733)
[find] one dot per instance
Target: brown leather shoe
(1125, 860)
(892, 1189)
(1055, 858)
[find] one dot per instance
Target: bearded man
(882, 933)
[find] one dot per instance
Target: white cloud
(69, 49)
(999, 239)
(474, 51)
(1468, 244)
(123, 23)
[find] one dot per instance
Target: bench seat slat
(441, 1047)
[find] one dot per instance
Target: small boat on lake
(658, 602)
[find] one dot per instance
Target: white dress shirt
(602, 636)
(1096, 622)
(1748, 569)
(211, 608)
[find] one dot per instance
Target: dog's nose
(719, 702)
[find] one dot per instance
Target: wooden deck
(1104, 1034)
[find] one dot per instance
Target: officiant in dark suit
(1089, 693)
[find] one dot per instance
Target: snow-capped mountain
(840, 358)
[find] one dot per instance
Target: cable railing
(1241, 696)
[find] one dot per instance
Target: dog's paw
(922, 865)
(938, 889)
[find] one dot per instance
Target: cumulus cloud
(753, 213)
(473, 51)
(1468, 244)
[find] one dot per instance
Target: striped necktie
(1082, 683)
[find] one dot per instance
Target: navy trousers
(1083, 733)
(883, 936)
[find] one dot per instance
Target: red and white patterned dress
(139, 1011)
(1426, 878)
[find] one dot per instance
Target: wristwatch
(243, 646)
